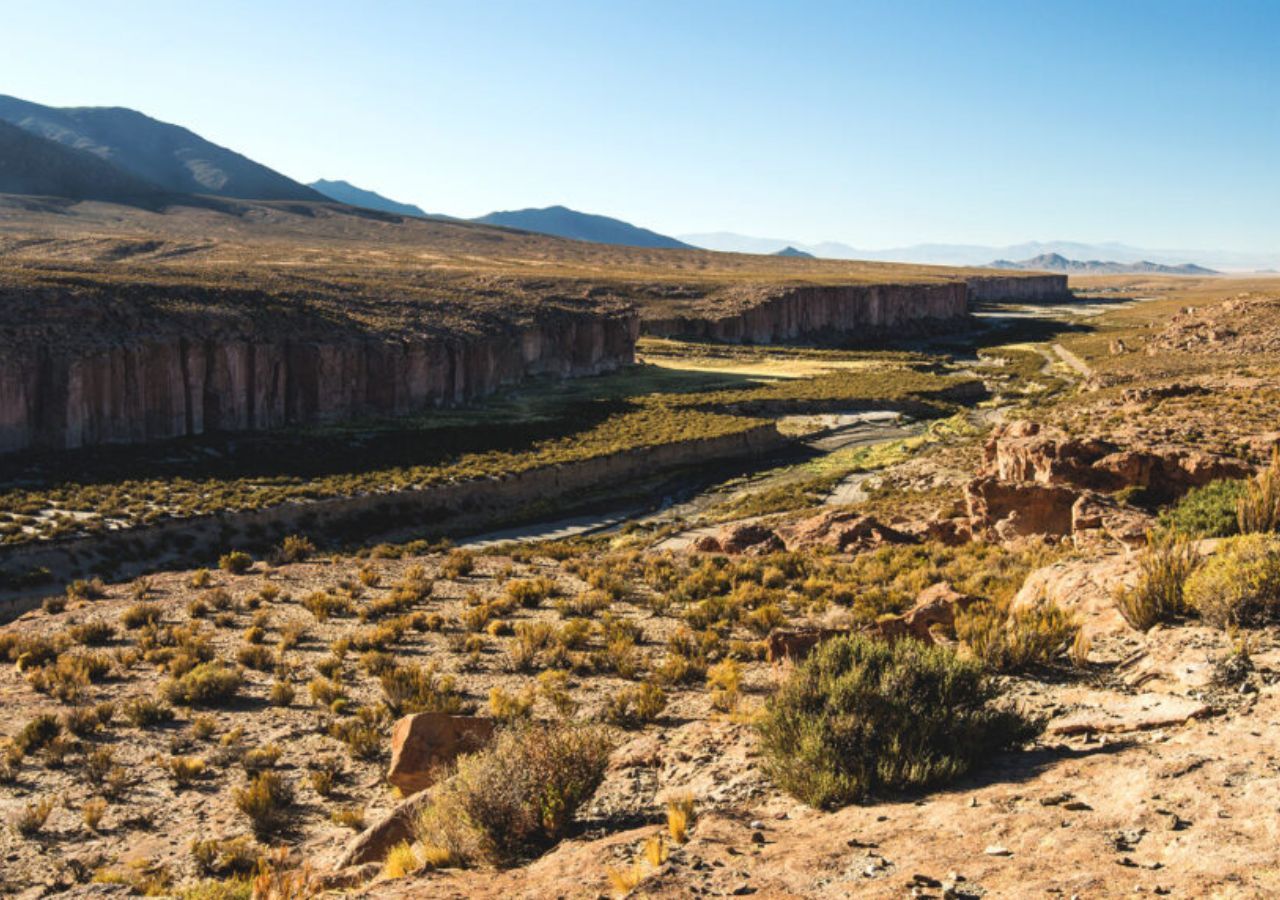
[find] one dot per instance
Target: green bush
(862, 715)
(1240, 584)
(1208, 511)
(517, 796)
(208, 684)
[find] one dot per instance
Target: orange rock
(423, 743)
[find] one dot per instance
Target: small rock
(756, 825)
(757, 837)
(997, 850)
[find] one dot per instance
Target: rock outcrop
(821, 312)
(1025, 287)
(424, 742)
(154, 387)
(843, 530)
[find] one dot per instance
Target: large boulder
(1099, 522)
(1014, 509)
(1084, 588)
(374, 843)
(848, 532)
(935, 605)
(748, 537)
(424, 743)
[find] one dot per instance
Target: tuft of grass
(266, 802)
(237, 562)
(679, 816)
(1163, 568)
(1013, 641)
(401, 861)
(27, 820)
(1258, 509)
(861, 716)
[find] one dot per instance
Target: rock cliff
(1019, 287)
(819, 312)
(165, 385)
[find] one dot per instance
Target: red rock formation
(845, 531)
(424, 742)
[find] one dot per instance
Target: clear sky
(873, 123)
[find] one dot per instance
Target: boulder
(1013, 509)
(373, 844)
(1084, 588)
(935, 605)
(748, 537)
(846, 531)
(423, 743)
(1098, 521)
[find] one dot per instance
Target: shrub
(458, 563)
(401, 861)
(1207, 511)
(863, 715)
(237, 562)
(282, 694)
(294, 548)
(509, 707)
(634, 707)
(725, 679)
(517, 796)
(1240, 584)
(143, 712)
(29, 819)
(414, 689)
(141, 614)
(1258, 509)
(1163, 569)
(37, 734)
(92, 634)
(255, 656)
(1012, 641)
(184, 770)
(679, 816)
(265, 802)
(530, 592)
(92, 812)
(208, 684)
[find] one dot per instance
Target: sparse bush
(1163, 569)
(208, 684)
(323, 776)
(92, 634)
(679, 816)
(634, 707)
(348, 817)
(237, 562)
(362, 734)
(144, 712)
(517, 796)
(200, 578)
(29, 819)
(93, 589)
(725, 680)
(457, 564)
(295, 548)
(862, 715)
(508, 707)
(226, 857)
(37, 734)
(415, 689)
(140, 614)
(184, 770)
(530, 592)
(1007, 640)
(282, 694)
(92, 812)
(1258, 510)
(1240, 584)
(266, 802)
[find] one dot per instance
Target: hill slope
(169, 157)
(346, 192)
(792, 251)
(1055, 262)
(34, 165)
(568, 223)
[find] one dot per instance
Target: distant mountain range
(1054, 262)
(346, 192)
(166, 158)
(982, 254)
(567, 223)
(120, 155)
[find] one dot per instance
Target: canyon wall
(1018, 287)
(165, 386)
(823, 312)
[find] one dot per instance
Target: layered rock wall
(828, 312)
(1018, 287)
(167, 386)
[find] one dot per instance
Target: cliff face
(166, 386)
(1025, 287)
(821, 311)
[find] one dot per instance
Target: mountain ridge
(560, 221)
(346, 192)
(1055, 262)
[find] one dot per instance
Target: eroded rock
(423, 743)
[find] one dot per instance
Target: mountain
(34, 165)
(1055, 262)
(567, 223)
(792, 251)
(981, 254)
(168, 157)
(346, 192)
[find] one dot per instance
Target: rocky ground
(1155, 775)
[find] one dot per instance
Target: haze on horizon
(877, 125)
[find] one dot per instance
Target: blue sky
(877, 124)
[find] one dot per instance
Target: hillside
(33, 165)
(169, 157)
(792, 251)
(568, 223)
(1055, 262)
(346, 192)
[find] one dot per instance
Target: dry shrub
(237, 562)
(1163, 569)
(1258, 510)
(1012, 641)
(208, 684)
(415, 689)
(517, 796)
(265, 802)
(29, 819)
(634, 707)
(1240, 584)
(862, 715)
